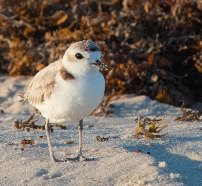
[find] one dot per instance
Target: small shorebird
(69, 89)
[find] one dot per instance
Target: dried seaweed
(189, 115)
(26, 142)
(152, 47)
(149, 127)
(70, 142)
(2, 111)
(27, 124)
(102, 139)
(30, 124)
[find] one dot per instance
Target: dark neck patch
(66, 75)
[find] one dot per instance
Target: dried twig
(70, 142)
(102, 139)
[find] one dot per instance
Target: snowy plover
(69, 89)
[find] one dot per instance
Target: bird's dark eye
(78, 56)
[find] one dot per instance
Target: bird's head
(83, 57)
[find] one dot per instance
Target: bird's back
(42, 84)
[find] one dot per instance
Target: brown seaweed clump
(149, 128)
(152, 47)
(189, 115)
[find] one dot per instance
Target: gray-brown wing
(43, 83)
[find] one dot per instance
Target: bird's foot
(80, 157)
(54, 160)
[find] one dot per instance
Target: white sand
(116, 162)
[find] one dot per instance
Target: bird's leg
(80, 155)
(47, 128)
(80, 129)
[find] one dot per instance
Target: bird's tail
(21, 97)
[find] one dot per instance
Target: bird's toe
(80, 158)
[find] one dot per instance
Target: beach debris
(149, 127)
(2, 111)
(10, 143)
(189, 115)
(27, 129)
(90, 126)
(26, 142)
(59, 126)
(138, 151)
(70, 142)
(102, 139)
(176, 177)
(42, 137)
(27, 124)
(162, 164)
(30, 124)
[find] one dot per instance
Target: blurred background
(153, 47)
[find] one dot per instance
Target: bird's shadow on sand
(56, 145)
(177, 164)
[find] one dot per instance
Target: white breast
(73, 100)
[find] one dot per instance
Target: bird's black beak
(100, 64)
